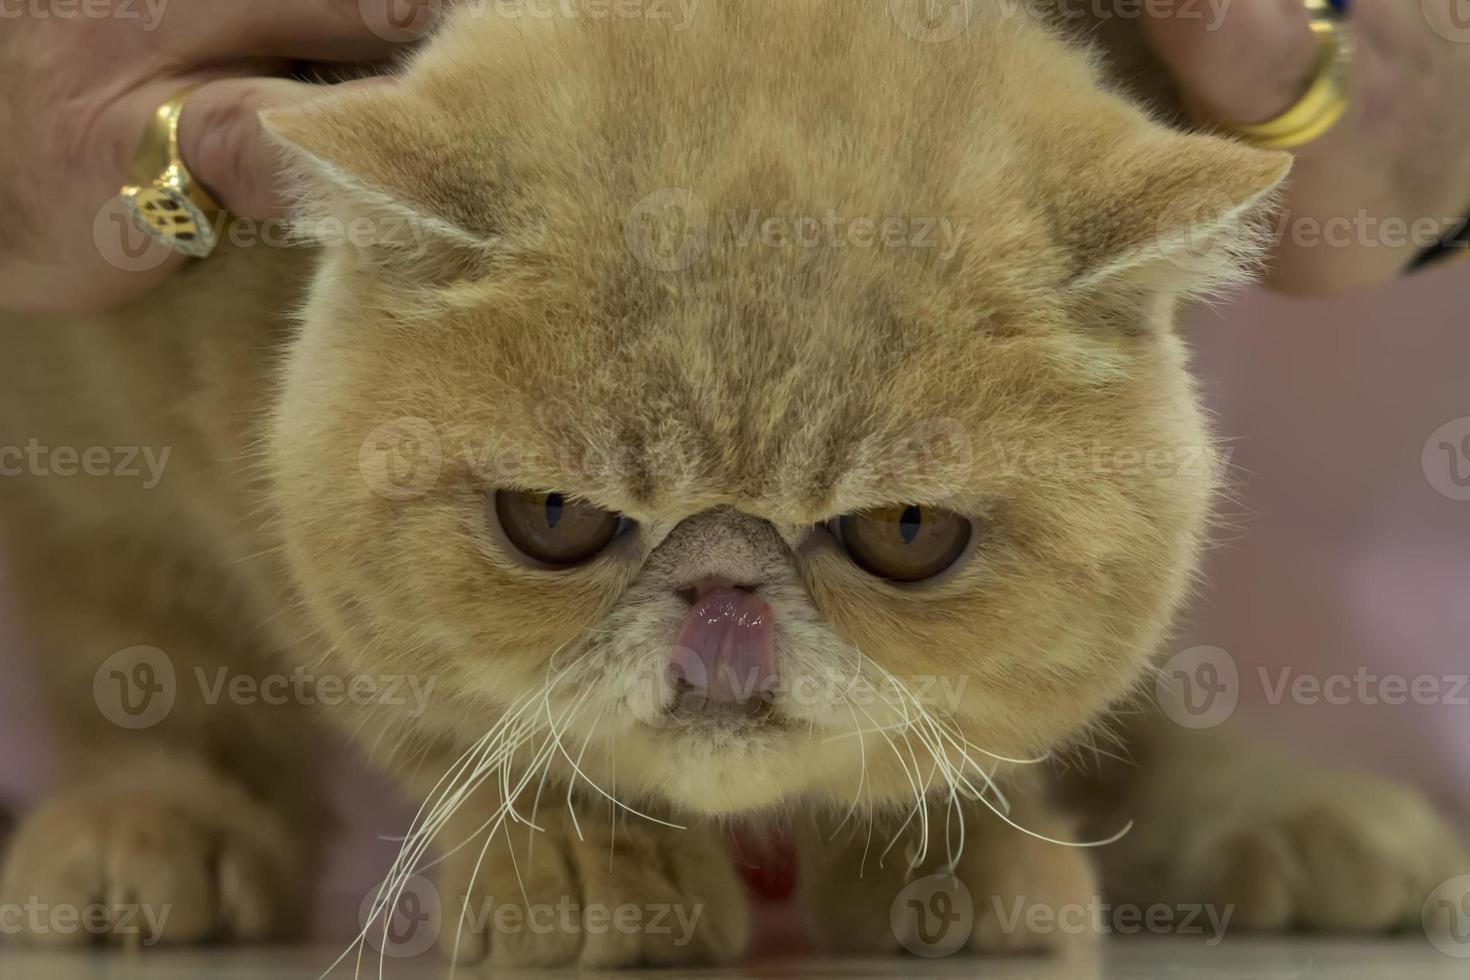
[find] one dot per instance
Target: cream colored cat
(708, 414)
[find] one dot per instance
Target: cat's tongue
(725, 653)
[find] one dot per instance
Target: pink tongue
(726, 650)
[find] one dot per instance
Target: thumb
(1248, 63)
(225, 147)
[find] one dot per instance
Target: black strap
(1457, 242)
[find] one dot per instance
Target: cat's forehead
(705, 293)
(793, 390)
(751, 262)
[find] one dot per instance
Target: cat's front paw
(1008, 892)
(165, 858)
(1349, 854)
(642, 895)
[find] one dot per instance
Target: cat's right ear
(373, 168)
(1174, 212)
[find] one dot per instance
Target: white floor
(1122, 959)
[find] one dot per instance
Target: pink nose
(725, 653)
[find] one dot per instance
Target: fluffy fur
(553, 294)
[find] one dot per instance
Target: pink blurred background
(1347, 548)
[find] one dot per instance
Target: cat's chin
(719, 768)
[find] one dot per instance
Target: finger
(1248, 65)
(225, 147)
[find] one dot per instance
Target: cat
(722, 418)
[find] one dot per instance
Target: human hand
(81, 81)
(1392, 177)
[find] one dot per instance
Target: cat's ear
(1186, 212)
(378, 170)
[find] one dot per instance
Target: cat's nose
(695, 591)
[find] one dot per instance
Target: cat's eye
(554, 529)
(905, 543)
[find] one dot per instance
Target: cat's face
(784, 338)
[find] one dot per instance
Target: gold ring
(164, 198)
(1325, 100)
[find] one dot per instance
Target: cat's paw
(1009, 893)
(152, 863)
(645, 895)
(1031, 896)
(1350, 854)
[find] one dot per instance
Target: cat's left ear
(1184, 212)
(379, 170)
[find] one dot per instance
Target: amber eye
(551, 528)
(905, 544)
